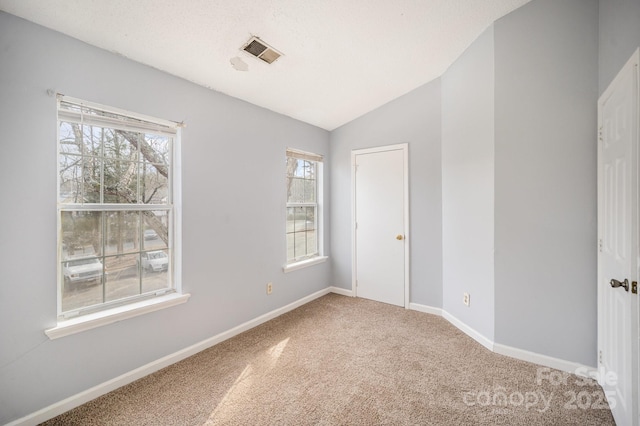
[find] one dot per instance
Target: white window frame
(292, 265)
(82, 319)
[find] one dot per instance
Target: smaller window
(303, 199)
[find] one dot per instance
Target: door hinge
(600, 134)
(600, 357)
(600, 245)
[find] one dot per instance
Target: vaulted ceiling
(341, 58)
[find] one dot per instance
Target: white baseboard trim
(544, 360)
(426, 309)
(475, 335)
(521, 354)
(113, 384)
(341, 291)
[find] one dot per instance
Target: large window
(115, 207)
(303, 171)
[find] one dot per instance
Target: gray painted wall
(619, 37)
(412, 118)
(467, 185)
(233, 211)
(546, 80)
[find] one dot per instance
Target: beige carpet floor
(347, 361)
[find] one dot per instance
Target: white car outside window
(155, 261)
(82, 270)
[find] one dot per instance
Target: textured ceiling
(342, 58)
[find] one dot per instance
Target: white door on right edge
(618, 243)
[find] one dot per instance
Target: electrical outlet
(466, 299)
(269, 288)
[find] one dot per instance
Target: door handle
(399, 237)
(624, 284)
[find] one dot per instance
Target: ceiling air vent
(261, 50)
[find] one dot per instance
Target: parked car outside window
(82, 270)
(150, 234)
(155, 261)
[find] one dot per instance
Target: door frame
(634, 61)
(404, 147)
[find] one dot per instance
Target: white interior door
(381, 224)
(618, 243)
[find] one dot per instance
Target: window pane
(312, 243)
(310, 218)
(295, 167)
(154, 181)
(91, 179)
(123, 278)
(291, 214)
(291, 247)
(295, 190)
(117, 143)
(70, 141)
(91, 137)
(81, 234)
(123, 232)
(301, 219)
(300, 244)
(155, 270)
(289, 189)
(120, 181)
(309, 168)
(301, 182)
(82, 283)
(156, 230)
(160, 146)
(301, 233)
(309, 191)
(70, 178)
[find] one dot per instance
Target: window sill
(109, 316)
(304, 263)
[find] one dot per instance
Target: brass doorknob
(399, 237)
